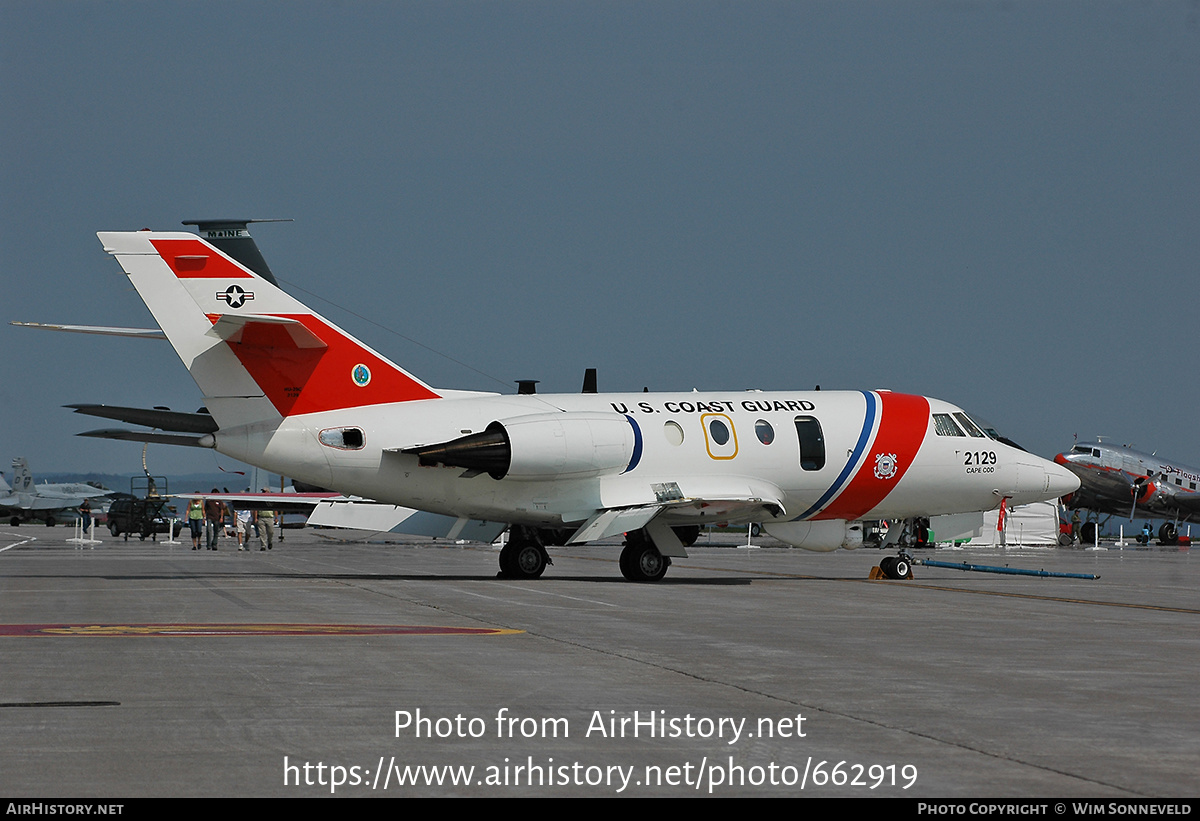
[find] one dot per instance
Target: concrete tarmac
(139, 669)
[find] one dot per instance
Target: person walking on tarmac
(214, 516)
(195, 517)
(1075, 527)
(264, 523)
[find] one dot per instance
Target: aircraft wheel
(1087, 533)
(643, 563)
(15, 521)
(901, 569)
(888, 565)
(1167, 534)
(50, 521)
(529, 562)
(506, 559)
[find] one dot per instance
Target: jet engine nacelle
(544, 446)
(822, 536)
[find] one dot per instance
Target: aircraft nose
(1060, 481)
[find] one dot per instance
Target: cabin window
(944, 425)
(764, 431)
(812, 443)
(673, 432)
(343, 438)
(718, 431)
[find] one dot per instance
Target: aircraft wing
(377, 517)
(695, 500)
(279, 502)
(1189, 503)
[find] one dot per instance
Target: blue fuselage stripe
(637, 445)
(863, 437)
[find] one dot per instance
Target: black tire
(50, 522)
(506, 557)
(624, 563)
(644, 563)
(529, 561)
(1087, 533)
(15, 521)
(114, 528)
(900, 569)
(1168, 534)
(888, 565)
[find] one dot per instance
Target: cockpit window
(968, 425)
(1081, 449)
(944, 425)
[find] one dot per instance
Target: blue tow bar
(1011, 571)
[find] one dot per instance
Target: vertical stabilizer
(256, 353)
(233, 238)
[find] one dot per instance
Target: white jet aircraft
(292, 393)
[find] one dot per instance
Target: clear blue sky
(995, 204)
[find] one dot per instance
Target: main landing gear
(523, 557)
(640, 559)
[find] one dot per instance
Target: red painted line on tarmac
(204, 630)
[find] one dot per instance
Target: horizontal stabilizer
(152, 418)
(151, 437)
(266, 332)
(136, 333)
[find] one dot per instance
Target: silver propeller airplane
(1122, 481)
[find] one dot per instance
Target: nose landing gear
(895, 567)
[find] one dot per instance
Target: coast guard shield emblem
(885, 465)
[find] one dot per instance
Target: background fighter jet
(48, 502)
(1126, 482)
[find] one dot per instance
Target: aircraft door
(812, 442)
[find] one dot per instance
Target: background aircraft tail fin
(22, 475)
(256, 353)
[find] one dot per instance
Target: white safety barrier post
(171, 533)
(80, 538)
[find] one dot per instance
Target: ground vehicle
(143, 515)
